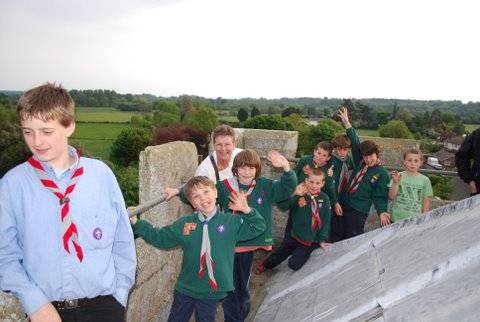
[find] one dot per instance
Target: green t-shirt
(411, 191)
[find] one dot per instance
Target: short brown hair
(413, 151)
(369, 147)
(196, 183)
(47, 102)
(247, 158)
(342, 141)
(314, 172)
(324, 145)
(223, 130)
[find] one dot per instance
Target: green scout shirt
(329, 186)
(224, 229)
(302, 217)
(373, 189)
(266, 193)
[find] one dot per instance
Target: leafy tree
(254, 111)
(442, 186)
(204, 119)
(128, 145)
(186, 105)
(182, 133)
(242, 114)
(325, 130)
(291, 110)
(303, 130)
(127, 178)
(395, 129)
(13, 150)
(166, 113)
(269, 122)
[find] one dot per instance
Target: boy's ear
(70, 129)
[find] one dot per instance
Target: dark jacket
(469, 150)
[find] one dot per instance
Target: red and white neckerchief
(343, 178)
(206, 259)
(69, 229)
(316, 221)
(359, 176)
(232, 185)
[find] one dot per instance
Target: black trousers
(299, 254)
(106, 309)
(351, 224)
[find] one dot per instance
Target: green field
(103, 114)
(368, 132)
(471, 127)
(96, 138)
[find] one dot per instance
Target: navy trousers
(351, 224)
(299, 254)
(236, 305)
(184, 305)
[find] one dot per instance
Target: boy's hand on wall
(385, 219)
(170, 193)
(324, 245)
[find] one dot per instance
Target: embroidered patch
(375, 178)
(259, 200)
(221, 228)
(320, 203)
(187, 227)
(97, 233)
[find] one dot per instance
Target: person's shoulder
(95, 164)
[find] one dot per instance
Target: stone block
(167, 165)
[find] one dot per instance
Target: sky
(405, 49)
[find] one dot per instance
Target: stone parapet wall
(167, 165)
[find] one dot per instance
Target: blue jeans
(236, 305)
(349, 225)
(183, 306)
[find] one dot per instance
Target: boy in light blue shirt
(66, 245)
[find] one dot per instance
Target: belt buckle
(70, 304)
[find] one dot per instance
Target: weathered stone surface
(10, 309)
(391, 150)
(166, 165)
(421, 269)
(263, 141)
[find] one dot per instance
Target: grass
(103, 114)
(471, 127)
(97, 138)
(368, 132)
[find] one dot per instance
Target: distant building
(453, 144)
(445, 158)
